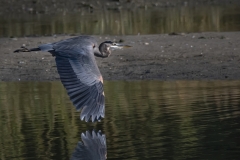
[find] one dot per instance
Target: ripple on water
(144, 119)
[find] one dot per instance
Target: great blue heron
(79, 72)
(94, 147)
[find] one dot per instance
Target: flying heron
(79, 72)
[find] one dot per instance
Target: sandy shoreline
(194, 56)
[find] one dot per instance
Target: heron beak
(119, 46)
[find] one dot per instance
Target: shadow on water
(144, 119)
(94, 147)
(125, 22)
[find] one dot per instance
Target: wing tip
(93, 113)
(91, 118)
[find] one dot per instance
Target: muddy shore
(195, 56)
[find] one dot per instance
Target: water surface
(124, 22)
(144, 120)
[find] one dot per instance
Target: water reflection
(125, 22)
(144, 120)
(93, 147)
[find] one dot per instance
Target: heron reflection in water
(93, 147)
(79, 72)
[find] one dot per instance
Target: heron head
(112, 45)
(106, 47)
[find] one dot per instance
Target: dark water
(124, 22)
(144, 120)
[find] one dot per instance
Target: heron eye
(114, 44)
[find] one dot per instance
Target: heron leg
(24, 49)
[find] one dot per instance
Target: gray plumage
(79, 73)
(93, 147)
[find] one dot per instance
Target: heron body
(79, 72)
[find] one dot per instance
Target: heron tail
(24, 49)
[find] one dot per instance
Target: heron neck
(104, 52)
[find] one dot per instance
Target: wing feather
(82, 80)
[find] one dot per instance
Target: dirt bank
(198, 56)
(55, 6)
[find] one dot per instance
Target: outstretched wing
(81, 77)
(93, 147)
